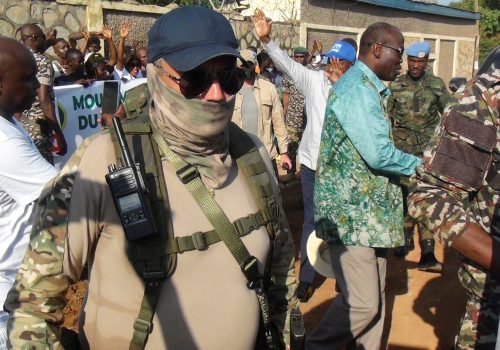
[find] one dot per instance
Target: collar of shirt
(372, 77)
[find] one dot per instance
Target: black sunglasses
(399, 50)
(195, 82)
(35, 37)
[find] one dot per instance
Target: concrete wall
(453, 40)
(49, 15)
(70, 16)
(277, 10)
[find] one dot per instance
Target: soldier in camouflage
(40, 120)
(205, 302)
(415, 107)
(294, 108)
(456, 195)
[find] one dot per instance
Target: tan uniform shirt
(271, 120)
(204, 305)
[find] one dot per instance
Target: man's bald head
(375, 33)
(33, 37)
(142, 54)
(381, 49)
(18, 81)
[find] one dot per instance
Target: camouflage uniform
(33, 119)
(294, 119)
(415, 108)
(458, 184)
(68, 234)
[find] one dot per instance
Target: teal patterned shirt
(357, 201)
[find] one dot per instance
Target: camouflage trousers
(479, 326)
(409, 222)
(294, 136)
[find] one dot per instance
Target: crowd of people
(380, 153)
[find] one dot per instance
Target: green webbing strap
(152, 267)
(198, 240)
(143, 327)
(190, 177)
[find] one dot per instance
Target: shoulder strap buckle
(251, 271)
(187, 173)
(153, 277)
(143, 326)
(199, 240)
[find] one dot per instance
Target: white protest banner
(77, 109)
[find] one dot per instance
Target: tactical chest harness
(154, 258)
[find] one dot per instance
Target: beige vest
(204, 305)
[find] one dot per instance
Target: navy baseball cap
(342, 50)
(189, 36)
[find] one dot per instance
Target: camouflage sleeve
(437, 204)
(287, 83)
(390, 104)
(440, 188)
(45, 73)
(278, 121)
(36, 300)
(444, 98)
(281, 291)
(281, 288)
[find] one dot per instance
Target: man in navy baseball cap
(189, 36)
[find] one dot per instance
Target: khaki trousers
(355, 317)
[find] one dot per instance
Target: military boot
(428, 261)
(403, 251)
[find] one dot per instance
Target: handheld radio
(130, 193)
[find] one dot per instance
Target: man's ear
(376, 50)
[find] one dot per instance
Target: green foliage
(486, 45)
(489, 24)
(205, 3)
(491, 4)
(463, 5)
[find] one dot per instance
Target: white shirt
(315, 87)
(23, 174)
(124, 75)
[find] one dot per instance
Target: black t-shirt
(68, 79)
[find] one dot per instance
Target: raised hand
(317, 47)
(335, 69)
(106, 32)
(51, 35)
(262, 25)
(124, 30)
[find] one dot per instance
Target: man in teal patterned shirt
(358, 204)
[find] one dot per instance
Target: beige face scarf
(194, 129)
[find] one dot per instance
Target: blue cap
(342, 50)
(189, 36)
(419, 49)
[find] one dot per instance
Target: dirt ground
(423, 309)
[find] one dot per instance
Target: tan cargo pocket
(464, 159)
